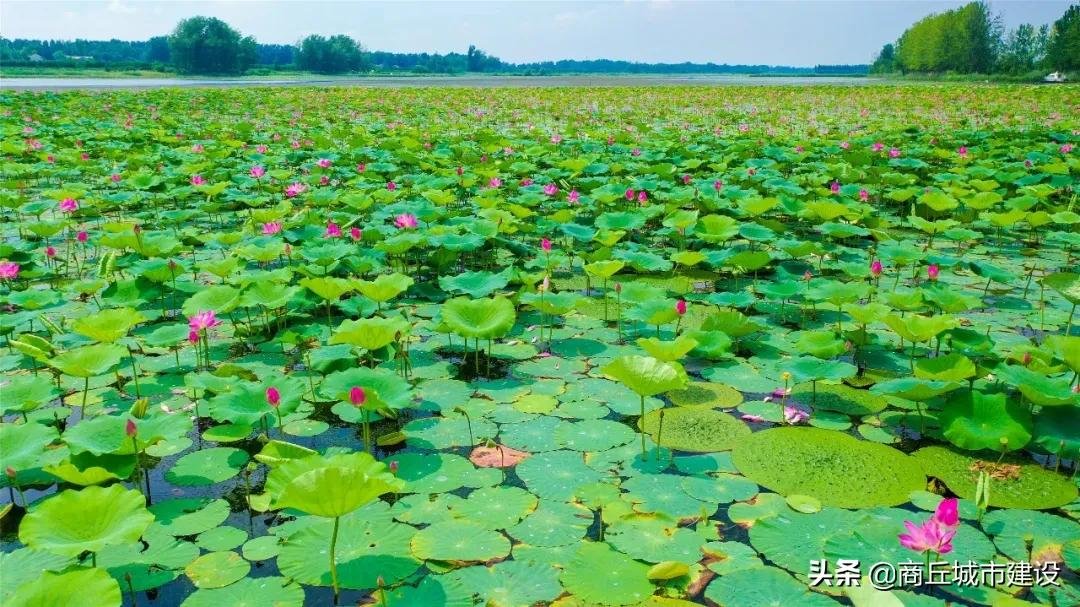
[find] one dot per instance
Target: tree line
(972, 40)
(207, 45)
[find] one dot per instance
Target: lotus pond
(509, 347)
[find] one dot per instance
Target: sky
(775, 32)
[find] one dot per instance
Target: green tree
(333, 55)
(158, 49)
(886, 60)
(963, 40)
(1023, 49)
(207, 45)
(1063, 49)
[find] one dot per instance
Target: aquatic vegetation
(657, 346)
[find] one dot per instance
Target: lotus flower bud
(273, 397)
(680, 307)
(545, 244)
(933, 271)
(393, 467)
(875, 268)
(130, 429)
(357, 396)
(138, 409)
(10, 472)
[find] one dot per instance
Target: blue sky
(787, 32)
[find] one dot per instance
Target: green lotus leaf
(645, 375)
(920, 328)
(831, 466)
(916, 389)
(668, 351)
(763, 586)
(694, 429)
(553, 523)
(328, 288)
(840, 398)
(1037, 387)
(1067, 284)
(1020, 484)
(820, 344)
(555, 475)
(1057, 431)
(89, 361)
(23, 446)
(555, 304)
(245, 403)
(384, 388)
(329, 486)
(654, 539)
(369, 333)
(1018, 533)
(588, 576)
(706, 393)
(459, 541)
(188, 516)
(715, 229)
(108, 325)
(604, 269)
(476, 284)
(276, 591)
(206, 467)
(732, 322)
(510, 582)
(977, 421)
(953, 367)
(221, 299)
(217, 569)
(106, 434)
(713, 345)
(73, 587)
(789, 538)
(89, 519)
(479, 318)
(25, 393)
(383, 288)
(808, 368)
(1067, 348)
(86, 469)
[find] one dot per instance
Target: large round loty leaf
(89, 519)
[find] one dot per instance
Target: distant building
(80, 57)
(35, 58)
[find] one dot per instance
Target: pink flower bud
(130, 428)
(357, 396)
(545, 244)
(933, 271)
(875, 268)
(394, 467)
(680, 307)
(355, 233)
(82, 236)
(10, 472)
(273, 397)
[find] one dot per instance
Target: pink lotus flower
(800, 149)
(928, 537)
(835, 187)
(197, 148)
(390, 185)
(82, 236)
(545, 244)
(875, 268)
(936, 534)
(642, 197)
(618, 287)
(273, 397)
(680, 307)
(545, 285)
(717, 185)
(405, 221)
(556, 139)
(393, 467)
(526, 182)
(115, 177)
(894, 152)
(1066, 148)
(50, 251)
(271, 227)
(261, 148)
(356, 233)
(203, 320)
(130, 429)
(9, 270)
(551, 189)
(962, 151)
(193, 336)
(69, 205)
(360, 168)
(807, 275)
(795, 415)
(324, 163)
(494, 182)
(573, 197)
(864, 195)
(844, 145)
(197, 180)
(630, 194)
(332, 230)
(357, 396)
(686, 179)
(324, 180)
(294, 189)
(257, 172)
(635, 152)
(878, 146)
(933, 271)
